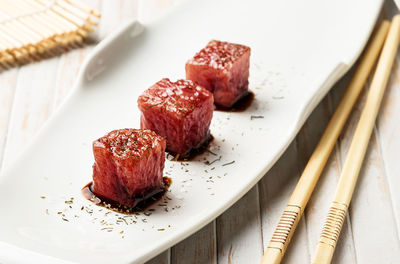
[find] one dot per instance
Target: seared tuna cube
(223, 69)
(128, 165)
(179, 111)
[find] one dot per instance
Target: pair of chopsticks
(34, 29)
(387, 36)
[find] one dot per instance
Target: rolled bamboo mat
(31, 30)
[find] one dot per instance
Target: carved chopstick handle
(282, 234)
(330, 233)
(333, 225)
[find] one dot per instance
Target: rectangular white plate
(299, 49)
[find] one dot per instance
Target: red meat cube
(128, 164)
(223, 69)
(179, 111)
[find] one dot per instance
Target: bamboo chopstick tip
(396, 18)
(324, 254)
(272, 256)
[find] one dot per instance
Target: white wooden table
(30, 94)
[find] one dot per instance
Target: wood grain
(387, 133)
(275, 189)
(198, 248)
(28, 91)
(388, 130)
(32, 105)
(238, 228)
(315, 213)
(8, 82)
(322, 151)
(71, 62)
(358, 147)
(371, 205)
(163, 258)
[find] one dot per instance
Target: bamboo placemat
(31, 30)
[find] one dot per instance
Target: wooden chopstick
(358, 147)
(300, 196)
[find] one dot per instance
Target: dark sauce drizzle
(194, 152)
(142, 202)
(241, 105)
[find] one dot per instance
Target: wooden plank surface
(28, 96)
(238, 228)
(316, 211)
(275, 190)
(8, 82)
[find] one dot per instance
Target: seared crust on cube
(222, 68)
(219, 55)
(179, 111)
(128, 163)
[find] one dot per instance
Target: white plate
(299, 49)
